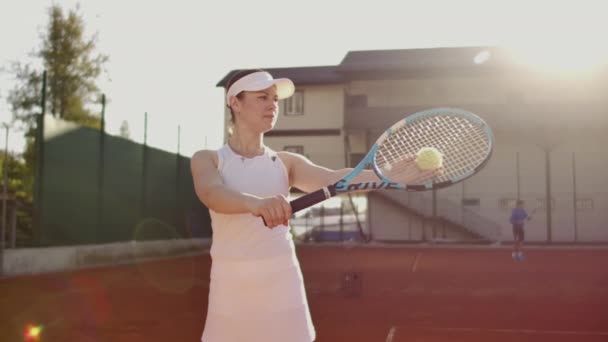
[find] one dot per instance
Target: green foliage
(72, 68)
(20, 182)
(16, 169)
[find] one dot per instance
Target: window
(470, 201)
(294, 105)
(507, 203)
(356, 101)
(529, 204)
(541, 204)
(584, 203)
(295, 149)
(355, 158)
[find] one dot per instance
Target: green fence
(96, 188)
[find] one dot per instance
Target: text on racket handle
(342, 186)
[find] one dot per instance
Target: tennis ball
(429, 158)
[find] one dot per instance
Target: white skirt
(260, 300)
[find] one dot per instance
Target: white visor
(259, 81)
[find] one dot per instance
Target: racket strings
(464, 145)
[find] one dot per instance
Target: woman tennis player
(256, 291)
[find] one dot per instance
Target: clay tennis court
(356, 294)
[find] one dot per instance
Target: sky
(167, 56)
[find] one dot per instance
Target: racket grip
(312, 198)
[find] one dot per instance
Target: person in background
(519, 216)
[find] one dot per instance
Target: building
(550, 131)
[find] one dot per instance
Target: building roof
(447, 57)
(392, 64)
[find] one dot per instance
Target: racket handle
(312, 198)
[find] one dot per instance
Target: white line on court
(416, 260)
(391, 334)
(522, 331)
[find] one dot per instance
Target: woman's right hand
(273, 210)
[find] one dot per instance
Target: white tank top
(244, 236)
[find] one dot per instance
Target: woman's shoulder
(205, 156)
(289, 158)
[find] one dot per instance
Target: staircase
(449, 215)
(469, 219)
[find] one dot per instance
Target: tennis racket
(532, 213)
(463, 138)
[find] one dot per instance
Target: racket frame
(344, 185)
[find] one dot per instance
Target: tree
(24, 99)
(21, 185)
(124, 130)
(72, 69)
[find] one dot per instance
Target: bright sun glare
(567, 39)
(572, 58)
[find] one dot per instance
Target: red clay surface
(399, 294)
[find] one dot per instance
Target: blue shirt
(518, 216)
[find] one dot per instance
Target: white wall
(323, 109)
(498, 181)
(570, 115)
(525, 110)
(326, 151)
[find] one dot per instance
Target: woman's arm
(211, 190)
(308, 176)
